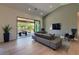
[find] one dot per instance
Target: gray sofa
(48, 40)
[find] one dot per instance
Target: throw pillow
(52, 36)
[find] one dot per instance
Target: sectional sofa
(48, 40)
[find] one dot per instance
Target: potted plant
(6, 33)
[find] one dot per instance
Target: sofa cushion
(56, 40)
(46, 36)
(52, 36)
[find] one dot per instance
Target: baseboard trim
(7, 42)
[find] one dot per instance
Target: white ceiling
(39, 9)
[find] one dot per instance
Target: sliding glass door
(36, 25)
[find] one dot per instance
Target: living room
(63, 16)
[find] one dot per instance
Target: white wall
(9, 16)
(66, 15)
(78, 22)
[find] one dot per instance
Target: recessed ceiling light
(29, 9)
(41, 13)
(50, 6)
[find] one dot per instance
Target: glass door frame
(31, 19)
(39, 25)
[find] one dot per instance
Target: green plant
(7, 29)
(30, 27)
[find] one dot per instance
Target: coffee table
(65, 43)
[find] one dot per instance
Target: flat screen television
(56, 26)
